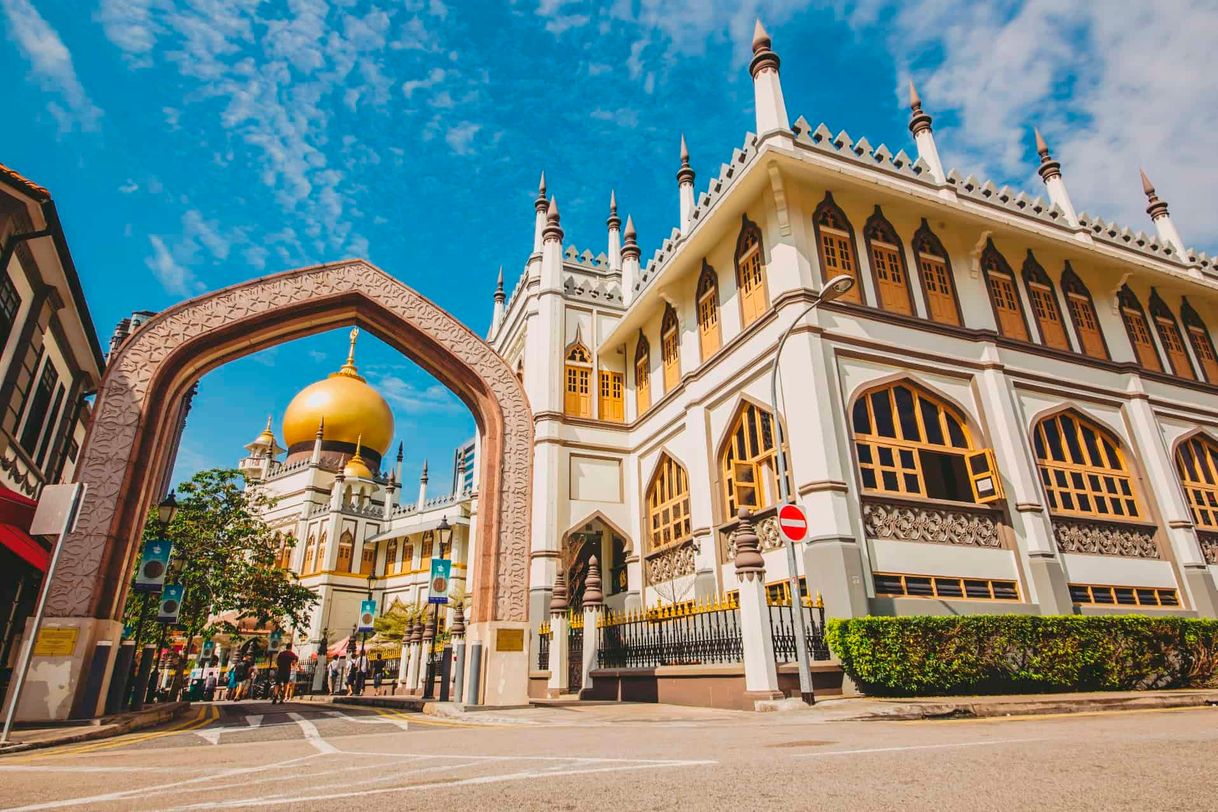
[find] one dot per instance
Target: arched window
(888, 264)
(392, 565)
(1197, 465)
(642, 375)
(668, 503)
(835, 243)
(284, 559)
(708, 311)
(1004, 295)
(1044, 304)
(310, 558)
(1199, 338)
(367, 564)
(577, 398)
(1170, 338)
(670, 349)
(1139, 334)
(935, 273)
(1082, 315)
(910, 443)
(407, 558)
(748, 465)
(1082, 468)
(750, 273)
(611, 396)
(346, 543)
(427, 546)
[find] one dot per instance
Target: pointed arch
(936, 277)
(750, 272)
(747, 463)
(836, 247)
(367, 555)
(346, 546)
(642, 375)
(667, 501)
(1196, 459)
(1004, 294)
(392, 564)
(707, 304)
(1170, 338)
(310, 556)
(1083, 468)
(670, 348)
(888, 269)
(1045, 308)
(577, 379)
(1138, 330)
(1200, 339)
(1083, 316)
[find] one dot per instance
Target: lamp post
(165, 511)
(832, 289)
(442, 530)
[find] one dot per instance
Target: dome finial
(321, 427)
(1155, 206)
(349, 367)
(761, 37)
(268, 423)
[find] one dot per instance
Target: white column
(614, 224)
(767, 88)
(760, 672)
(404, 663)
(1051, 173)
(559, 650)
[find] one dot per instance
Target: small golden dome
(356, 468)
(264, 441)
(352, 410)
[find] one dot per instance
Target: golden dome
(356, 468)
(353, 411)
(264, 441)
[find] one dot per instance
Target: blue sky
(198, 143)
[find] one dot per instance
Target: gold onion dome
(264, 441)
(353, 411)
(356, 468)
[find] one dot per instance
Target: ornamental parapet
(899, 520)
(765, 525)
(1092, 537)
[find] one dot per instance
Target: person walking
(245, 678)
(335, 677)
(285, 661)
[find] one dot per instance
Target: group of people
(351, 678)
(243, 674)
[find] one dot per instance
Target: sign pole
(78, 491)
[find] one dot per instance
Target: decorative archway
(134, 433)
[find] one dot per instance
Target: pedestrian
(231, 682)
(244, 669)
(209, 687)
(378, 672)
(285, 662)
(335, 680)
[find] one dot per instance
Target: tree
(225, 556)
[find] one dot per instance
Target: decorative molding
(1209, 546)
(768, 537)
(927, 524)
(1105, 538)
(670, 562)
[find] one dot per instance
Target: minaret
(1051, 173)
(1157, 209)
(539, 220)
(767, 89)
(630, 262)
(685, 186)
(315, 459)
(497, 313)
(422, 486)
(924, 136)
(551, 249)
(615, 234)
(400, 457)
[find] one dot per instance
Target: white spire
(498, 311)
(630, 262)
(1157, 209)
(767, 88)
(923, 135)
(1051, 173)
(615, 234)
(685, 188)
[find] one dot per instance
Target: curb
(124, 723)
(990, 710)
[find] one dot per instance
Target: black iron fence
(685, 634)
(543, 646)
(782, 629)
(575, 653)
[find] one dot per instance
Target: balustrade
(1092, 537)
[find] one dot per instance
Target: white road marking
(252, 722)
(371, 720)
(311, 735)
(913, 747)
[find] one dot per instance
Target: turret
(630, 262)
(1157, 209)
(551, 249)
(422, 487)
(767, 88)
(685, 188)
(315, 458)
(923, 135)
(615, 234)
(498, 311)
(1051, 173)
(540, 204)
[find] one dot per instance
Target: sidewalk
(27, 737)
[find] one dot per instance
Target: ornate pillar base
(592, 641)
(63, 687)
(834, 568)
(1052, 591)
(1201, 588)
(505, 672)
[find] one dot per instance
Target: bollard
(141, 677)
(474, 695)
(446, 672)
(459, 681)
(118, 677)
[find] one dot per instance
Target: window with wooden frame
(1083, 316)
(427, 546)
(1197, 467)
(577, 385)
(392, 565)
(708, 311)
(642, 375)
(346, 548)
(910, 443)
(1044, 304)
(1004, 294)
(367, 562)
(10, 303)
(900, 585)
(750, 273)
(284, 560)
(668, 504)
(670, 349)
(1083, 469)
(935, 275)
(1200, 340)
(310, 556)
(1105, 595)
(747, 464)
(1137, 330)
(835, 245)
(407, 558)
(1170, 338)
(888, 264)
(611, 396)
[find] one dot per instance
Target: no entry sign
(792, 523)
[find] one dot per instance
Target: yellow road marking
(435, 721)
(204, 717)
(1023, 717)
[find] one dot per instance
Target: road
(314, 756)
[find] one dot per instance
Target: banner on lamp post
(367, 616)
(171, 603)
(154, 563)
(437, 587)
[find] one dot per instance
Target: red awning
(16, 509)
(20, 542)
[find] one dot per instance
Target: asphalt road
(307, 756)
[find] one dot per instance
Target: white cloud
(173, 276)
(461, 137)
(52, 64)
(129, 187)
(434, 77)
(407, 397)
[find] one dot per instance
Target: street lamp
(443, 538)
(165, 511)
(832, 289)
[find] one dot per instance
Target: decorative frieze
(934, 525)
(670, 562)
(767, 535)
(1209, 546)
(1105, 538)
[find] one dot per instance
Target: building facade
(50, 362)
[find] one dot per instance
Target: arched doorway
(596, 537)
(133, 439)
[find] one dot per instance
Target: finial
(1048, 168)
(749, 561)
(1156, 208)
(612, 201)
(614, 222)
(919, 120)
(359, 445)
(594, 595)
(399, 450)
(349, 367)
(629, 233)
(763, 57)
(552, 231)
(685, 174)
(1042, 149)
(1148, 189)
(915, 101)
(321, 427)
(499, 294)
(761, 37)
(540, 202)
(552, 211)
(630, 245)
(684, 150)
(558, 598)
(268, 423)
(423, 477)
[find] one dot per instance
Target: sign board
(56, 641)
(171, 603)
(509, 639)
(367, 614)
(792, 523)
(154, 563)
(437, 587)
(277, 636)
(56, 510)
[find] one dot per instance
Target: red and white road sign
(792, 523)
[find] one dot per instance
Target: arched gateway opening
(133, 440)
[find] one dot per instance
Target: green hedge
(998, 654)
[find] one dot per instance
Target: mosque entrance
(600, 539)
(134, 435)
